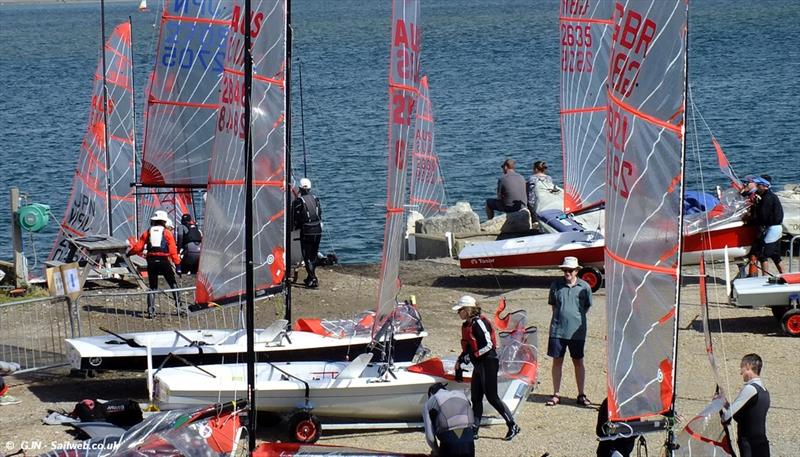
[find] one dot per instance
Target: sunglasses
(569, 271)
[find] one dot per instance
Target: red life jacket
(477, 346)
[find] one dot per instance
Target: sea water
(494, 79)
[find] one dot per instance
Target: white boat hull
(371, 395)
(759, 292)
(221, 346)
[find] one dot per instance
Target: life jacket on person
(308, 217)
(477, 345)
(157, 241)
(193, 235)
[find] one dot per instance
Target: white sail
(645, 134)
(585, 37)
(98, 182)
(427, 189)
(406, 41)
(221, 276)
(183, 93)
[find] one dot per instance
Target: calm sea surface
(494, 78)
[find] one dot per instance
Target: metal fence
(32, 332)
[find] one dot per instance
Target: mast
(105, 115)
(135, 153)
(288, 161)
(671, 444)
(248, 233)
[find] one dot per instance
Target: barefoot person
(750, 410)
(570, 299)
(478, 344)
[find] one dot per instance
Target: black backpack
(122, 413)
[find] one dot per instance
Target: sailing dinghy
(182, 127)
(586, 34)
(358, 389)
(644, 229)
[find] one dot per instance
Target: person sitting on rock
(511, 193)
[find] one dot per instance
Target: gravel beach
(564, 430)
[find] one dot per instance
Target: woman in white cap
(478, 344)
(162, 256)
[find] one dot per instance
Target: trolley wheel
(779, 311)
(304, 427)
(592, 276)
(790, 322)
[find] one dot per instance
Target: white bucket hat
(160, 215)
(464, 302)
(305, 183)
(570, 263)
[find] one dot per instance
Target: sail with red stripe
(99, 183)
(221, 277)
(585, 37)
(427, 181)
(183, 96)
(645, 156)
(725, 166)
(403, 87)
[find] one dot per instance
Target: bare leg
(580, 375)
(779, 266)
(765, 268)
(556, 371)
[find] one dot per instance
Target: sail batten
(222, 272)
(644, 142)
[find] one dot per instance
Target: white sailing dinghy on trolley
(644, 232)
(359, 389)
(584, 75)
(187, 117)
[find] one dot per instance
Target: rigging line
(713, 265)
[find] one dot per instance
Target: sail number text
(574, 59)
(620, 171)
(632, 37)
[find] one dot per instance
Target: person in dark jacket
(767, 214)
(448, 420)
(478, 344)
(162, 256)
(749, 409)
(189, 242)
(307, 216)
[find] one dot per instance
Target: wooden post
(20, 266)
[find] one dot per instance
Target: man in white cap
(307, 216)
(767, 214)
(162, 256)
(570, 298)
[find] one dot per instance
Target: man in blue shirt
(570, 298)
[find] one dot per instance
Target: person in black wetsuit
(749, 409)
(767, 214)
(189, 239)
(478, 344)
(607, 448)
(307, 216)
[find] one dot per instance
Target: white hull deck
(222, 346)
(341, 390)
(759, 292)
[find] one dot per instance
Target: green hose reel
(34, 217)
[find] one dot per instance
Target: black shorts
(764, 251)
(557, 347)
(497, 205)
